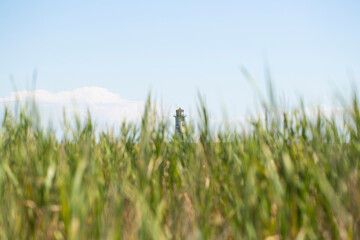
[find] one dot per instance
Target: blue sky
(176, 48)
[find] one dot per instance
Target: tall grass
(288, 177)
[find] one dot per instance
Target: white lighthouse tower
(179, 121)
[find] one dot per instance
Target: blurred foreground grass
(288, 177)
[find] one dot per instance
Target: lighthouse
(179, 121)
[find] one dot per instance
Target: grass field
(285, 177)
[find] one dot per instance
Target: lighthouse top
(179, 113)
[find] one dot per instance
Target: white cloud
(311, 112)
(106, 107)
(327, 110)
(233, 120)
